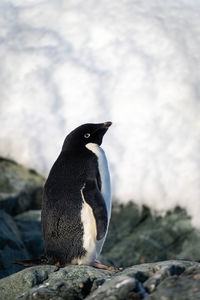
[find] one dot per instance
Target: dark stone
(118, 287)
(72, 282)
(11, 245)
(22, 281)
(136, 236)
(30, 228)
(20, 188)
(15, 203)
(32, 237)
(183, 287)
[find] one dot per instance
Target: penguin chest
(104, 174)
(105, 189)
(89, 231)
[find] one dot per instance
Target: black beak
(107, 124)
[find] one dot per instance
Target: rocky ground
(169, 280)
(136, 238)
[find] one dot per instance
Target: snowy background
(135, 63)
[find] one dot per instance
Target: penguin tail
(31, 262)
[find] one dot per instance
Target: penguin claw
(99, 265)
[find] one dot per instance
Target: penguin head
(86, 133)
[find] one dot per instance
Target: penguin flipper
(94, 198)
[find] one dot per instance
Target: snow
(135, 63)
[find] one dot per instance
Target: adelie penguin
(76, 204)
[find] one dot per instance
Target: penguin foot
(58, 264)
(98, 265)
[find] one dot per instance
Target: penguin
(76, 205)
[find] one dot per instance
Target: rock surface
(11, 245)
(20, 188)
(149, 238)
(169, 280)
(30, 228)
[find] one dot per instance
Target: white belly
(105, 190)
(89, 233)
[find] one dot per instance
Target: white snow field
(135, 63)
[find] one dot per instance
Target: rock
(20, 189)
(29, 216)
(150, 281)
(191, 247)
(118, 287)
(22, 281)
(11, 245)
(44, 282)
(183, 287)
(30, 227)
(136, 236)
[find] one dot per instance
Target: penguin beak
(100, 131)
(107, 124)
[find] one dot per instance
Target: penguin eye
(87, 135)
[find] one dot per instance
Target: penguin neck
(93, 147)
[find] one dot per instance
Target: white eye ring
(87, 135)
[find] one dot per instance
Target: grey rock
(20, 188)
(183, 287)
(11, 245)
(137, 236)
(14, 203)
(30, 215)
(23, 281)
(32, 237)
(30, 228)
(115, 288)
(72, 282)
(175, 279)
(163, 271)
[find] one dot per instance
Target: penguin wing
(93, 197)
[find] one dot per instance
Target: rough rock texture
(149, 238)
(183, 287)
(169, 280)
(30, 228)
(20, 188)
(11, 245)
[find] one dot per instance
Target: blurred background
(135, 63)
